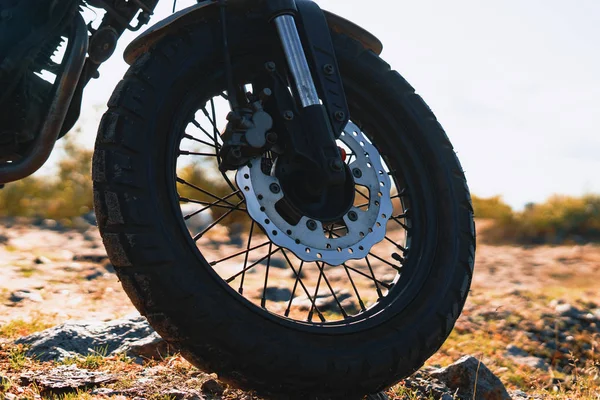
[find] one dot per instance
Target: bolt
(352, 216)
(328, 69)
(288, 115)
(236, 153)
(275, 188)
(272, 137)
(270, 66)
(340, 116)
(336, 165)
(311, 224)
(357, 173)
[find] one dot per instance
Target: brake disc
(308, 239)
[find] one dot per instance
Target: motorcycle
(336, 241)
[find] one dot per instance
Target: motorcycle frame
(65, 106)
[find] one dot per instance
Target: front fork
(322, 117)
(313, 122)
(297, 62)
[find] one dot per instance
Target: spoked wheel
(286, 263)
(242, 276)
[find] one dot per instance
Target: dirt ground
(53, 275)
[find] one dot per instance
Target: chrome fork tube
(294, 53)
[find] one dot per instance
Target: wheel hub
(316, 240)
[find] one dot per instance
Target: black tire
(178, 292)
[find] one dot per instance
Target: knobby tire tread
(123, 203)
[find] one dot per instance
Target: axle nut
(275, 188)
(340, 116)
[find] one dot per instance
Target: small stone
(567, 310)
(9, 396)
(211, 386)
(278, 294)
(276, 262)
(94, 258)
(42, 260)
(67, 377)
(467, 372)
(25, 294)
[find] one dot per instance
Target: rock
(152, 346)
(42, 260)
(4, 239)
(80, 224)
(94, 257)
(521, 357)
(25, 294)
(427, 387)
(66, 377)
(199, 221)
(324, 302)
(10, 396)
(90, 218)
(95, 274)
(567, 310)
(131, 336)
(276, 262)
(182, 394)
(468, 375)
(109, 267)
(278, 294)
(211, 386)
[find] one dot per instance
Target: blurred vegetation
(561, 219)
(67, 195)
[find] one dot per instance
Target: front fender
(202, 12)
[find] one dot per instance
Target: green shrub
(492, 208)
(67, 195)
(561, 219)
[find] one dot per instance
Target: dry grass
(20, 327)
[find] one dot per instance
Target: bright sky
(515, 84)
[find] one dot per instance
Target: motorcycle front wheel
(218, 285)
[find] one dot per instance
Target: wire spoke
(361, 193)
(310, 313)
(213, 263)
(193, 153)
(254, 264)
(322, 268)
(241, 290)
(360, 302)
(221, 218)
(396, 267)
(385, 285)
(303, 286)
(197, 125)
(379, 293)
(209, 205)
(287, 311)
(263, 300)
(401, 248)
(214, 196)
(195, 139)
(402, 224)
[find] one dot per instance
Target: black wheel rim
(270, 279)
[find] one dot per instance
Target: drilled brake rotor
(363, 227)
